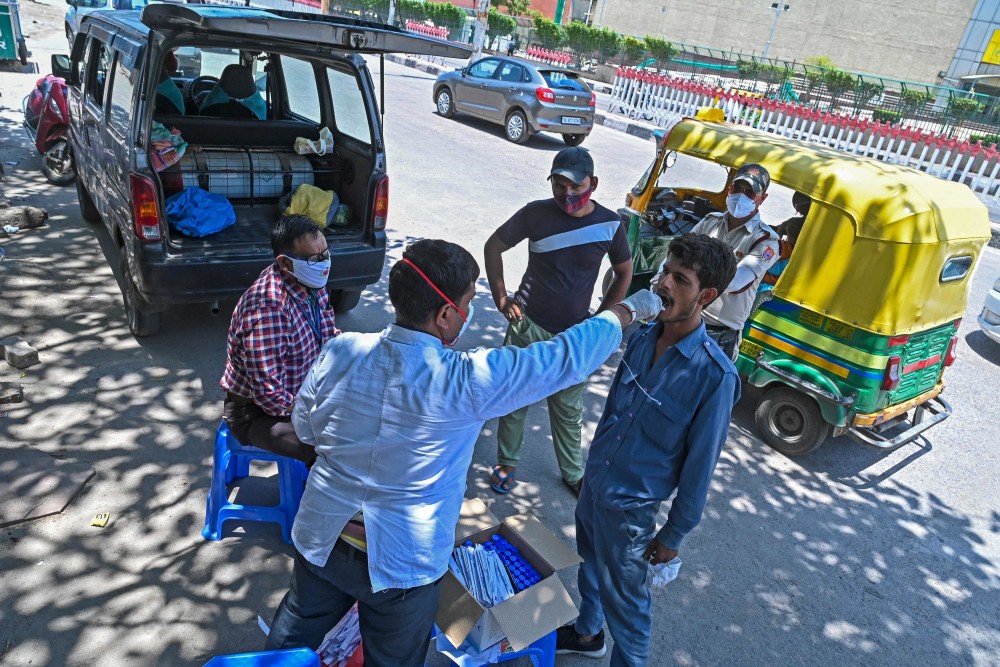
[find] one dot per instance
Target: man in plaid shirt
(276, 333)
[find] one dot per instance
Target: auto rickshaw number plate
(751, 350)
(839, 329)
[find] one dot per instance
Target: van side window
(349, 110)
(301, 89)
(121, 97)
(99, 65)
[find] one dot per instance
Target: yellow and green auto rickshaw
(859, 328)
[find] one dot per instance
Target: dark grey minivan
(266, 79)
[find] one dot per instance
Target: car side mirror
(61, 66)
(464, 71)
(71, 3)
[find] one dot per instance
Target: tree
(579, 36)
(837, 83)
(514, 7)
(548, 32)
(608, 43)
(662, 50)
(498, 25)
(635, 49)
(864, 92)
(912, 100)
(815, 69)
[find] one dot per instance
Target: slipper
(504, 483)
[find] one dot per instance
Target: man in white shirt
(394, 417)
(756, 246)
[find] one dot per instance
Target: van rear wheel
(790, 422)
(344, 300)
(142, 319)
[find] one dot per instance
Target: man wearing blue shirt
(663, 428)
(394, 417)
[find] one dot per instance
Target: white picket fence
(663, 100)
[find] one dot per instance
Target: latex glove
(644, 305)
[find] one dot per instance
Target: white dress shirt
(394, 417)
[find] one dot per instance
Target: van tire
(142, 319)
(87, 208)
(516, 127)
(790, 422)
(343, 300)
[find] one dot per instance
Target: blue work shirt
(642, 450)
(394, 417)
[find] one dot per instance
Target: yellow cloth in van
(313, 202)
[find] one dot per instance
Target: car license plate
(572, 120)
(751, 350)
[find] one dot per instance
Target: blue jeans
(395, 623)
(612, 578)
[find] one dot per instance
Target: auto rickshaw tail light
(381, 213)
(545, 95)
(145, 208)
(628, 199)
(952, 354)
(891, 378)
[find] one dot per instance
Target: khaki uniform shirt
(756, 247)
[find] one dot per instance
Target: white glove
(644, 305)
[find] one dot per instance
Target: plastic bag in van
(196, 212)
(315, 203)
(322, 146)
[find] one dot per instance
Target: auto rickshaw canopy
(875, 246)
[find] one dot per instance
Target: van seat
(251, 133)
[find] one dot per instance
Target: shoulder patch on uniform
(768, 254)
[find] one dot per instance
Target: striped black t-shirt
(564, 259)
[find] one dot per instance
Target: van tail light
(145, 208)
(891, 378)
(952, 354)
(545, 95)
(593, 99)
(381, 203)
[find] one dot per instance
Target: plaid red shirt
(272, 340)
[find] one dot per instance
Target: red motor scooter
(46, 120)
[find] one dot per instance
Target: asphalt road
(848, 555)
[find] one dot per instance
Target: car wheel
(69, 36)
(790, 422)
(574, 139)
(516, 127)
(142, 319)
(57, 163)
(445, 105)
(87, 208)
(344, 300)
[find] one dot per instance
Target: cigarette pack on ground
(530, 614)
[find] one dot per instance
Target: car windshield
(564, 80)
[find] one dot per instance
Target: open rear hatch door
(325, 32)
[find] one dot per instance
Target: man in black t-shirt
(568, 238)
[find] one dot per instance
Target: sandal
(504, 483)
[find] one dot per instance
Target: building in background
(928, 41)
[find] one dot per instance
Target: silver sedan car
(525, 97)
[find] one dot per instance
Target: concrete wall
(902, 39)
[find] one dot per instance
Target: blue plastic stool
(232, 461)
(290, 657)
(542, 652)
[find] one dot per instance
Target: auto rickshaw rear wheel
(790, 422)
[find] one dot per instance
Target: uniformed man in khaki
(756, 246)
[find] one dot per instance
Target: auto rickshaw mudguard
(832, 404)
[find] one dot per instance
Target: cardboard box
(530, 614)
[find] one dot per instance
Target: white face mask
(739, 205)
(465, 326)
(312, 275)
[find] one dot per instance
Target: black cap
(755, 175)
(574, 163)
